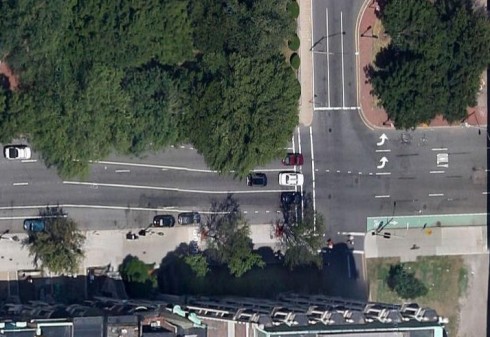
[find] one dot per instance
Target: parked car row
(285, 178)
(167, 220)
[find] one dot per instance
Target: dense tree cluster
(433, 64)
(139, 277)
(132, 76)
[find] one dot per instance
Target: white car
(17, 152)
(291, 179)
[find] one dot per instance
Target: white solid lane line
(313, 176)
(382, 196)
(28, 160)
(436, 194)
(439, 149)
(352, 233)
(383, 150)
(437, 172)
(328, 60)
(122, 171)
(342, 51)
(162, 188)
(383, 173)
(20, 184)
(299, 141)
(294, 146)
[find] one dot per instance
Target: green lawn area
(445, 277)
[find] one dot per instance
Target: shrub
(404, 283)
(293, 9)
(293, 43)
(294, 60)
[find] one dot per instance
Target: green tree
(300, 237)
(433, 64)
(228, 235)
(139, 277)
(250, 105)
(198, 263)
(59, 248)
(404, 283)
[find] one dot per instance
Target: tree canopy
(433, 64)
(131, 76)
(404, 283)
(138, 277)
(59, 248)
(228, 235)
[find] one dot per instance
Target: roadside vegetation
(443, 277)
(139, 277)
(59, 247)
(130, 77)
(432, 65)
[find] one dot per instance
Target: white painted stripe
(328, 58)
(122, 171)
(342, 55)
(349, 172)
(436, 194)
(360, 252)
(437, 172)
(29, 160)
(313, 176)
(383, 150)
(20, 184)
(382, 196)
(292, 141)
(383, 173)
(439, 149)
(485, 193)
(299, 141)
(336, 108)
(178, 168)
(162, 188)
(352, 233)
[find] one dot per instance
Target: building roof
(88, 326)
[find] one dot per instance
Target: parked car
(291, 179)
(189, 218)
(165, 220)
(17, 152)
(291, 198)
(34, 225)
(292, 159)
(257, 179)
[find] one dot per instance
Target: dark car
(165, 220)
(34, 225)
(288, 198)
(257, 179)
(292, 159)
(189, 218)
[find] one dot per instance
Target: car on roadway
(13, 152)
(165, 220)
(34, 225)
(292, 159)
(291, 198)
(189, 218)
(291, 179)
(257, 179)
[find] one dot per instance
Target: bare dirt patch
(13, 81)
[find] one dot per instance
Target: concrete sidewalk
(438, 241)
(110, 247)
(305, 72)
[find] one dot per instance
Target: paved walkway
(110, 247)
(305, 73)
(376, 117)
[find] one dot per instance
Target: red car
(293, 159)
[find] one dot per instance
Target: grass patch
(293, 9)
(445, 277)
(294, 42)
(294, 61)
(382, 40)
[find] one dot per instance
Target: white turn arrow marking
(383, 138)
(383, 162)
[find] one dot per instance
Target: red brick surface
(376, 116)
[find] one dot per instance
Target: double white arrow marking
(383, 162)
